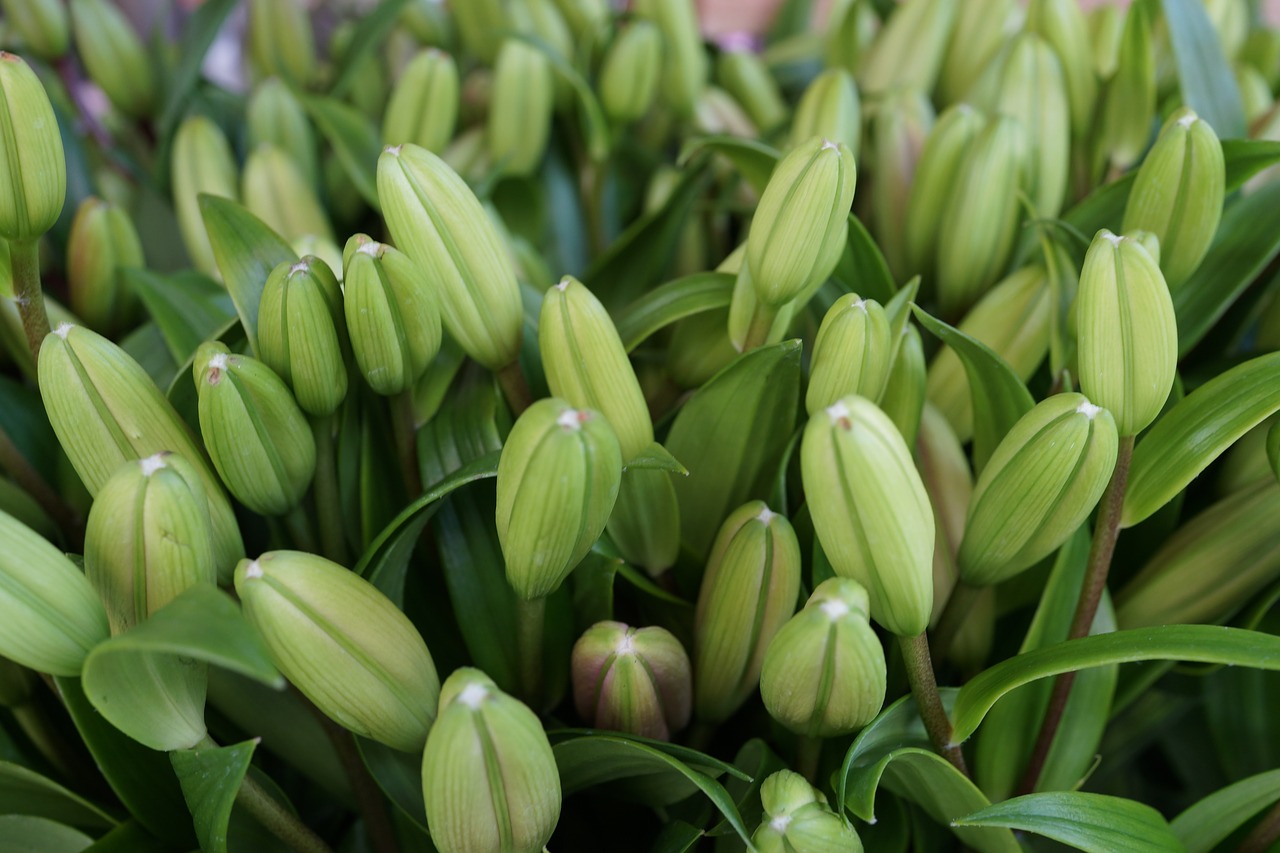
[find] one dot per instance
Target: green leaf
(146, 681)
(862, 268)
(146, 345)
(23, 791)
(1095, 823)
(246, 251)
(370, 32)
(675, 300)
(355, 141)
(1102, 208)
(399, 775)
(129, 837)
(210, 778)
(595, 128)
(896, 727)
(197, 37)
(999, 397)
(1199, 427)
(1245, 158)
(1208, 823)
(677, 837)
(26, 834)
(1208, 84)
(754, 160)
(655, 457)
(1197, 643)
(187, 307)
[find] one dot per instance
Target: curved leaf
(754, 160)
(355, 141)
(210, 778)
(1206, 824)
(1245, 158)
(862, 268)
(655, 457)
(24, 791)
(1208, 84)
(130, 837)
(187, 307)
(1095, 823)
(399, 775)
(25, 834)
(1196, 431)
(673, 301)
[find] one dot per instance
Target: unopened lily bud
(202, 164)
(343, 644)
(898, 131)
(489, 778)
(1040, 485)
(302, 333)
(907, 52)
(743, 74)
(113, 55)
(870, 510)
(1033, 90)
(717, 113)
(1129, 104)
(257, 436)
(103, 241)
(281, 41)
(558, 479)
(106, 411)
(584, 17)
(436, 219)
(824, 672)
(1178, 194)
(148, 538)
(799, 228)
(1062, 24)
(276, 191)
(850, 35)
(852, 353)
(481, 24)
(1127, 332)
(391, 314)
(748, 593)
(1261, 51)
(630, 73)
(423, 108)
(1255, 93)
(428, 22)
(520, 113)
(684, 63)
(981, 28)
(634, 680)
(33, 178)
(42, 25)
(904, 391)
(936, 175)
(645, 524)
(796, 818)
(1106, 25)
(949, 484)
(274, 115)
(830, 109)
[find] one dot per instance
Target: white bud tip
(218, 361)
(152, 464)
(828, 145)
(300, 266)
(835, 609)
(393, 150)
(564, 283)
(860, 304)
(626, 646)
(473, 695)
(780, 823)
(63, 330)
(571, 419)
(371, 248)
(766, 515)
(253, 570)
(838, 411)
(1188, 120)
(1089, 410)
(1113, 239)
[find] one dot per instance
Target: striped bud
(684, 63)
(1127, 332)
(489, 778)
(717, 113)
(1178, 194)
(274, 115)
(50, 617)
(41, 24)
(829, 109)
(799, 228)
(277, 192)
(850, 32)
(102, 242)
(1033, 90)
(106, 411)
(435, 218)
(852, 353)
(898, 131)
(1106, 25)
(113, 55)
(743, 74)
(1261, 50)
(148, 538)
(520, 113)
(1255, 93)
(904, 390)
(1062, 24)
(1044, 478)
(302, 333)
(257, 436)
(824, 672)
(936, 175)
(558, 479)
(796, 818)
(584, 17)
(981, 28)
(202, 164)
(630, 72)
(281, 42)
(645, 524)
(33, 178)
(343, 644)
(481, 24)
(391, 315)
(907, 53)
(423, 108)
(634, 680)
(1129, 104)
(870, 510)
(748, 593)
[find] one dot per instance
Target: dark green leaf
(146, 345)
(1102, 208)
(188, 308)
(26, 834)
(1245, 158)
(130, 837)
(197, 37)
(677, 837)
(754, 160)
(1208, 83)
(1205, 825)
(657, 458)
(862, 268)
(1091, 822)
(355, 141)
(369, 34)
(896, 727)
(399, 775)
(210, 777)
(673, 301)
(23, 791)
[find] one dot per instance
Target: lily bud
(898, 131)
(742, 73)
(423, 108)
(584, 17)
(558, 479)
(103, 241)
(274, 115)
(1255, 93)
(480, 26)
(520, 113)
(1106, 24)
(870, 510)
(1128, 335)
(907, 52)
(684, 63)
(50, 617)
(343, 644)
(42, 25)
(148, 538)
(257, 436)
(748, 592)
(829, 109)
(202, 164)
(435, 218)
(981, 28)
(936, 175)
(302, 333)
(33, 179)
(852, 353)
(630, 72)
(824, 672)
(113, 55)
(1129, 105)
(799, 228)
(1033, 90)
(632, 680)
(645, 523)
(1178, 194)
(489, 777)
(796, 818)
(1062, 24)
(391, 315)
(281, 41)
(276, 191)
(1039, 486)
(849, 35)
(904, 391)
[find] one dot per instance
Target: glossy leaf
(130, 837)
(677, 837)
(211, 777)
(1205, 825)
(862, 268)
(1245, 158)
(655, 457)
(26, 834)
(1095, 823)
(1207, 81)
(399, 775)
(355, 141)
(754, 160)
(188, 308)
(675, 300)
(24, 791)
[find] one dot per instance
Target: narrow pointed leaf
(862, 268)
(1208, 84)
(25, 833)
(1205, 825)
(210, 779)
(370, 32)
(1095, 823)
(673, 301)
(355, 141)
(754, 160)
(188, 308)
(24, 791)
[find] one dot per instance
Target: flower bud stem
(915, 654)
(404, 425)
(530, 618)
(808, 754)
(1105, 532)
(515, 388)
(325, 491)
(1265, 833)
(761, 324)
(24, 260)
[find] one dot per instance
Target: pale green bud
(423, 108)
(202, 164)
(907, 53)
(830, 109)
(981, 28)
(684, 64)
(630, 72)
(744, 75)
(849, 35)
(1255, 93)
(114, 55)
(274, 115)
(33, 180)
(1106, 26)
(852, 353)
(717, 113)
(481, 24)
(902, 122)
(645, 524)
(936, 175)
(584, 17)
(281, 42)
(904, 390)
(42, 25)
(102, 242)
(302, 333)
(520, 113)
(949, 485)
(1129, 104)
(1062, 24)
(797, 820)
(1033, 90)
(276, 191)
(634, 680)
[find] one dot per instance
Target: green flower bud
(981, 28)
(934, 183)
(743, 74)
(1178, 194)
(898, 131)
(830, 109)
(748, 592)
(1255, 93)
(428, 23)
(489, 777)
(907, 53)
(1261, 50)
(33, 181)
(799, 229)
(796, 818)
(870, 510)
(436, 220)
(1033, 91)
(1039, 486)
(584, 17)
(302, 333)
(1062, 24)
(849, 33)
(106, 411)
(276, 191)
(42, 25)
(645, 524)
(1106, 25)
(542, 20)
(558, 479)
(717, 113)
(257, 436)
(630, 72)
(274, 115)
(113, 55)
(824, 672)
(949, 485)
(1129, 105)
(632, 680)
(344, 644)
(520, 114)
(852, 353)
(103, 241)
(281, 42)
(481, 24)
(50, 617)
(1128, 335)
(904, 390)
(202, 164)
(684, 64)
(148, 538)
(423, 108)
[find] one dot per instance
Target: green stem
(515, 388)
(299, 525)
(808, 754)
(325, 492)
(915, 653)
(959, 605)
(530, 619)
(404, 425)
(24, 260)
(1264, 834)
(30, 481)
(761, 325)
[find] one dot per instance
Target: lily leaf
(673, 301)
(188, 308)
(355, 141)
(1095, 823)
(1205, 825)
(211, 777)
(754, 160)
(24, 791)
(25, 833)
(1208, 84)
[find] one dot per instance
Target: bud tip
(152, 464)
(780, 823)
(1187, 120)
(571, 419)
(835, 609)
(63, 330)
(253, 570)
(564, 284)
(473, 695)
(839, 413)
(1089, 410)
(393, 150)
